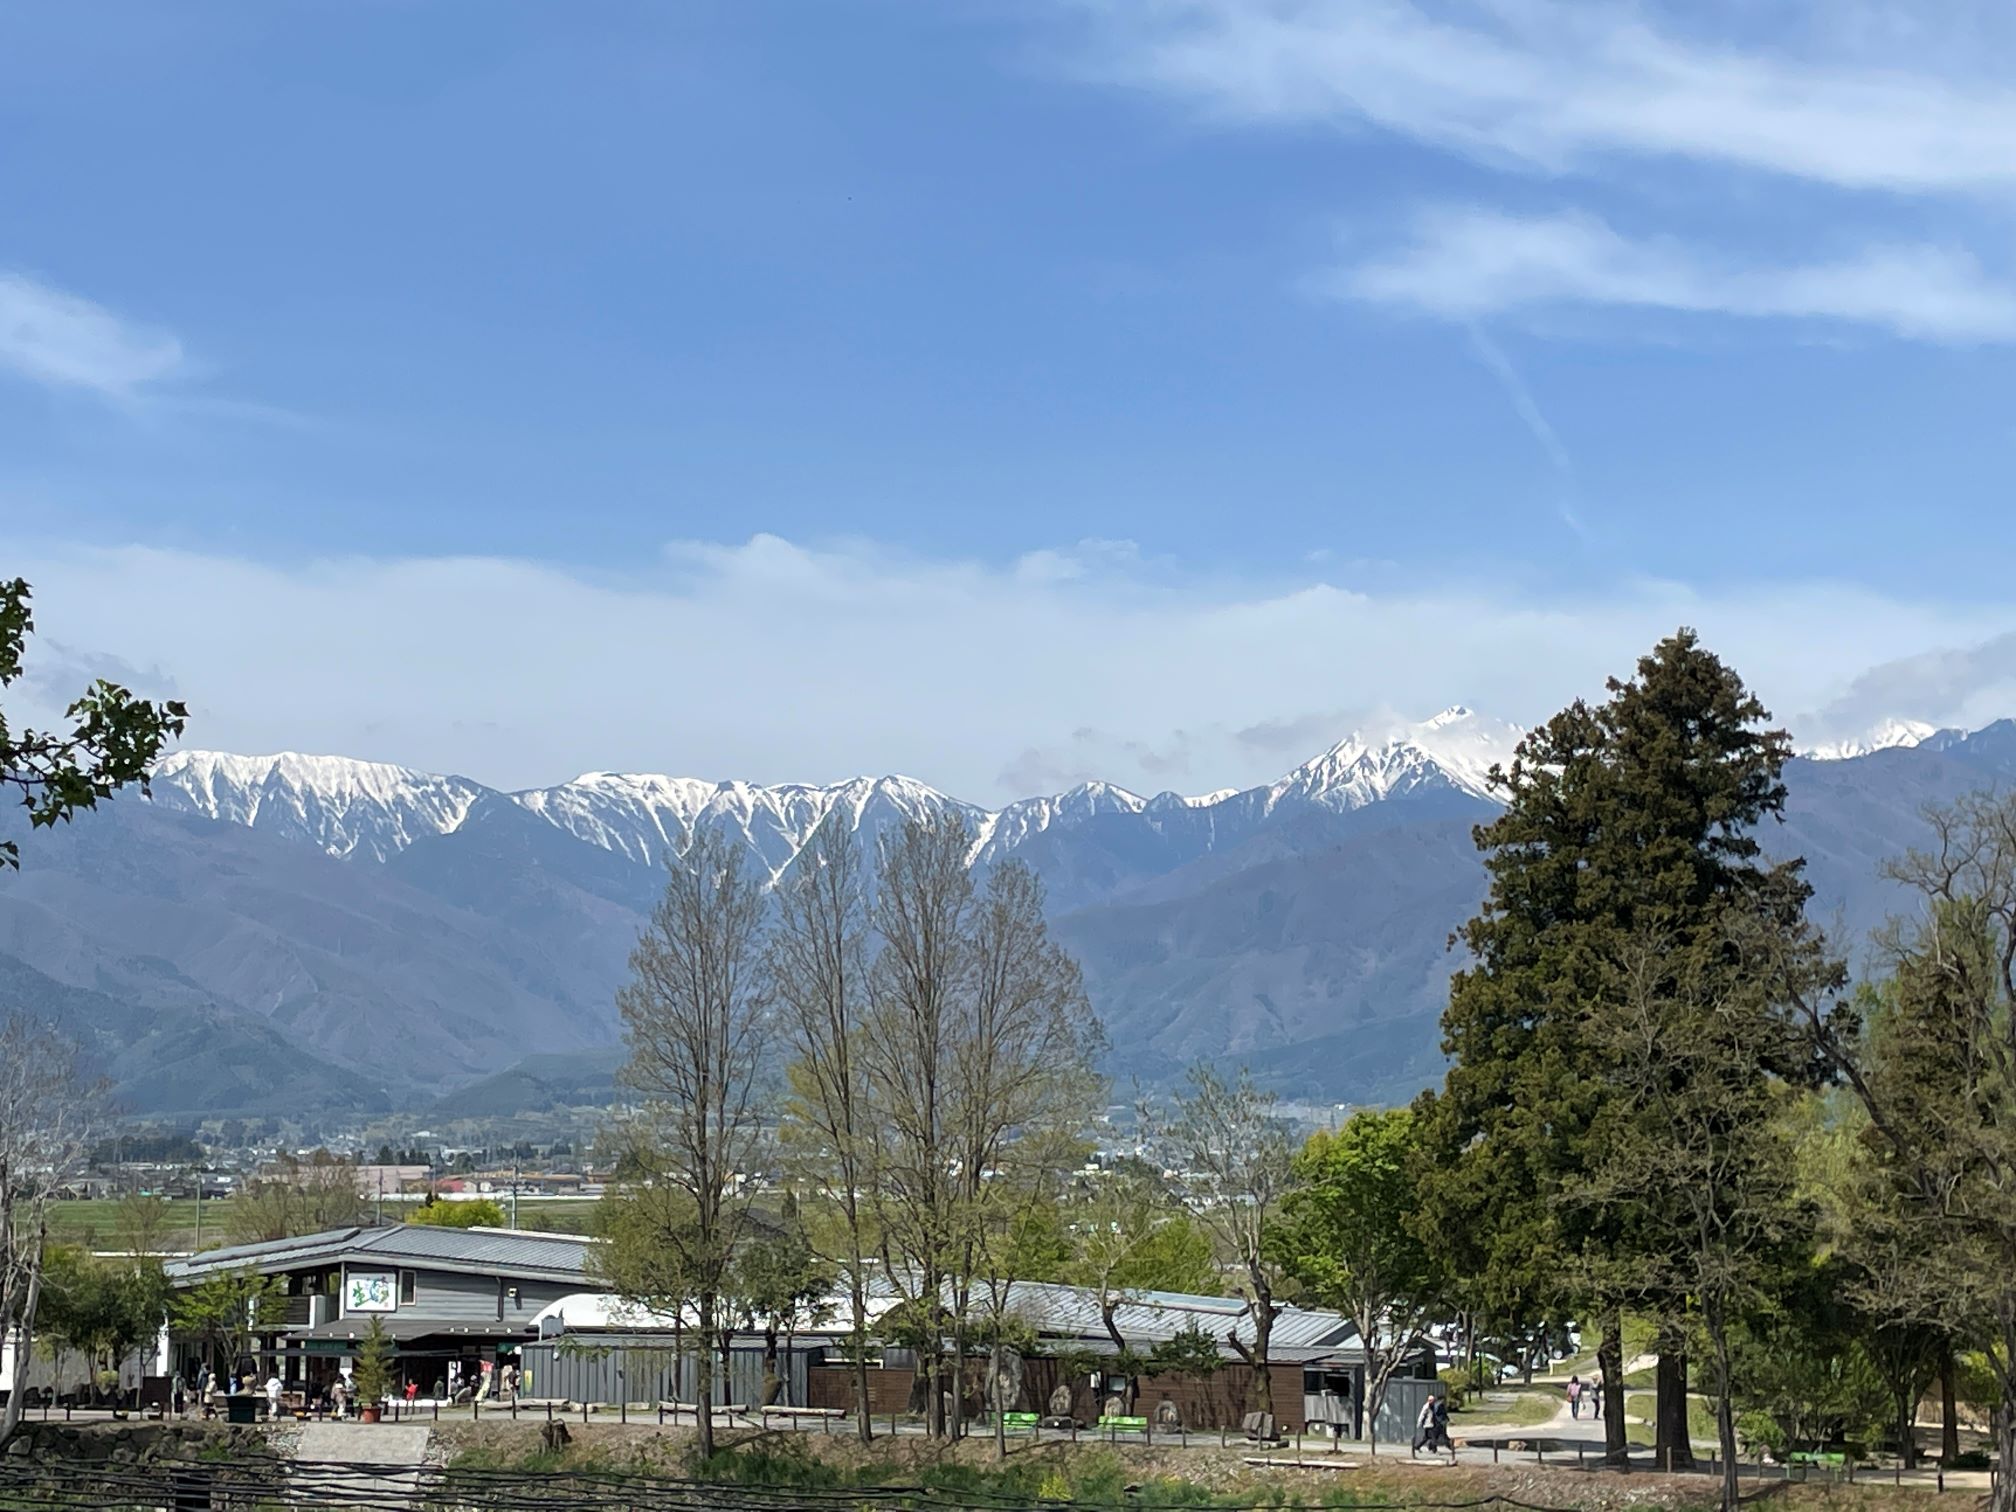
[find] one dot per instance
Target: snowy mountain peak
(344, 805)
(1890, 735)
(1456, 749)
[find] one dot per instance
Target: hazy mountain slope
(427, 933)
(584, 1078)
(188, 1060)
(157, 908)
(1346, 941)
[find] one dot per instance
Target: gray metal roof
(501, 1252)
(1152, 1317)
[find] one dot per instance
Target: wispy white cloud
(1463, 263)
(774, 661)
(65, 341)
(1494, 361)
(1855, 99)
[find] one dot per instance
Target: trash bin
(241, 1407)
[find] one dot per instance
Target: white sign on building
(370, 1291)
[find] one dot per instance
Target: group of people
(1579, 1393)
(207, 1389)
(204, 1391)
(1431, 1427)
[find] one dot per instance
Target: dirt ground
(653, 1450)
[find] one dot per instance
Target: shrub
(1760, 1430)
(1455, 1384)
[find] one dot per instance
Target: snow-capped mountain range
(275, 932)
(373, 810)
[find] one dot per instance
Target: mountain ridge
(362, 925)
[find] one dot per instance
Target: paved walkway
(386, 1458)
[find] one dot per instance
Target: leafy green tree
(1624, 820)
(112, 740)
(777, 1281)
(103, 1309)
(1932, 1059)
(1801, 1375)
(1344, 1236)
(224, 1311)
(478, 1212)
(636, 1261)
(1707, 1057)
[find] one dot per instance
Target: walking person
(1574, 1396)
(1440, 1427)
(1596, 1397)
(1424, 1428)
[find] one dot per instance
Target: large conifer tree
(1626, 821)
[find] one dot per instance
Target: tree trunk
(24, 1343)
(1671, 1447)
(1610, 1365)
(1725, 1415)
(1907, 1426)
(863, 1418)
(772, 1382)
(1949, 1411)
(2002, 1484)
(703, 1383)
(1263, 1375)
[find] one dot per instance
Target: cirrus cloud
(1464, 263)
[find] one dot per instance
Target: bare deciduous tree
(44, 1112)
(695, 1015)
(1235, 1166)
(819, 964)
(296, 1195)
(977, 1051)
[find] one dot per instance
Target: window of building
(406, 1288)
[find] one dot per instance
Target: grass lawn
(1639, 1406)
(1520, 1409)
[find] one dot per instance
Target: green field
(96, 1224)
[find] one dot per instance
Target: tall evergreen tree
(1627, 820)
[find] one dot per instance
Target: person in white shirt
(273, 1398)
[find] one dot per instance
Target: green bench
(1831, 1459)
(1124, 1424)
(1019, 1420)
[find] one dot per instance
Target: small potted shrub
(374, 1372)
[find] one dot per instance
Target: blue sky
(1005, 391)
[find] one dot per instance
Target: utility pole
(378, 1216)
(199, 1207)
(514, 1194)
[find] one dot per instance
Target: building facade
(453, 1303)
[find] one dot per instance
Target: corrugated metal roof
(1151, 1317)
(1055, 1311)
(492, 1251)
